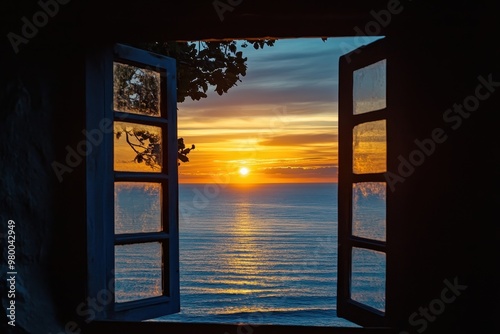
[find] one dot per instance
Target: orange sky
(276, 146)
(280, 122)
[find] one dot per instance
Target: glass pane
(137, 207)
(369, 85)
(137, 147)
(369, 144)
(368, 210)
(138, 271)
(368, 278)
(136, 90)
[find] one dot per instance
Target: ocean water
(261, 254)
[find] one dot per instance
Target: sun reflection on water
(245, 258)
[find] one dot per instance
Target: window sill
(125, 327)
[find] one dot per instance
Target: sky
(279, 125)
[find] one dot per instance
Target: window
(138, 155)
(147, 129)
(364, 115)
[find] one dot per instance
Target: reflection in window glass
(137, 148)
(137, 207)
(369, 148)
(138, 271)
(369, 210)
(369, 88)
(368, 277)
(136, 90)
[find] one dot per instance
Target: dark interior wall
(67, 263)
(446, 208)
(90, 20)
(41, 115)
(443, 212)
(26, 150)
(453, 226)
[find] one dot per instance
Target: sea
(261, 253)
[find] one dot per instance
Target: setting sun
(244, 171)
(289, 134)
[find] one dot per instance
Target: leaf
(219, 65)
(182, 158)
(180, 143)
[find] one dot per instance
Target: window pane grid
(143, 118)
(160, 229)
(367, 223)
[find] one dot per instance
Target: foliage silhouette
(200, 65)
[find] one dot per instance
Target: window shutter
(132, 184)
(364, 116)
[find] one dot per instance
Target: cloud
(297, 71)
(262, 97)
(330, 171)
(282, 113)
(300, 139)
